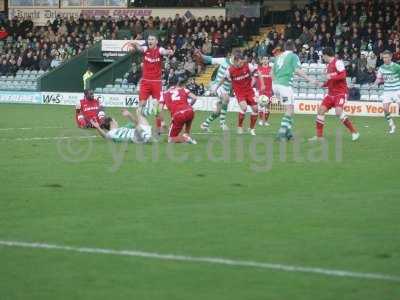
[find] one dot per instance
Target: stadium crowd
(29, 47)
(359, 33)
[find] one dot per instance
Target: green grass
(339, 213)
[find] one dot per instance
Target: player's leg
(320, 123)
(175, 129)
(261, 115)
(156, 94)
(80, 120)
(326, 105)
(224, 97)
(253, 119)
(142, 127)
(267, 112)
(387, 100)
(241, 115)
(251, 101)
(144, 95)
(286, 126)
(346, 122)
(214, 115)
(189, 116)
(101, 117)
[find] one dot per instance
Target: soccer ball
(263, 100)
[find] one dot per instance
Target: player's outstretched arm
(302, 74)
(131, 117)
(135, 46)
(209, 60)
(166, 52)
(193, 98)
(99, 130)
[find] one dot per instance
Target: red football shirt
(176, 99)
(240, 78)
(265, 72)
(152, 63)
(337, 85)
(89, 108)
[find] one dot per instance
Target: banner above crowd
(40, 16)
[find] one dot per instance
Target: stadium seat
(365, 97)
(374, 97)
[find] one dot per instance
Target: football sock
(319, 124)
(253, 120)
(388, 118)
(222, 116)
(241, 119)
(211, 118)
(266, 115)
(346, 122)
(286, 125)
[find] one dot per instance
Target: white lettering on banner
(20, 97)
(353, 108)
(42, 16)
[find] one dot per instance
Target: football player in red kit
(88, 109)
(151, 84)
(240, 74)
(336, 97)
(176, 99)
(264, 106)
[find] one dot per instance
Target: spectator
(196, 89)
(56, 61)
(86, 77)
(27, 61)
(3, 33)
(354, 93)
(44, 63)
(4, 68)
(134, 74)
(304, 54)
(190, 67)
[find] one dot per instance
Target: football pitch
(234, 217)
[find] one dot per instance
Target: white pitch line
(45, 138)
(208, 260)
(30, 128)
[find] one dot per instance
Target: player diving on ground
(137, 131)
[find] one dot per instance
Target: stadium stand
(36, 50)
(358, 32)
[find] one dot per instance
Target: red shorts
(247, 96)
(149, 88)
(334, 101)
(83, 121)
(179, 119)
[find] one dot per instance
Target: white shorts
(220, 91)
(390, 97)
(284, 93)
(142, 134)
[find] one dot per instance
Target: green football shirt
(284, 68)
(391, 76)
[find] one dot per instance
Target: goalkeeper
(222, 92)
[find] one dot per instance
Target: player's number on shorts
(341, 101)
